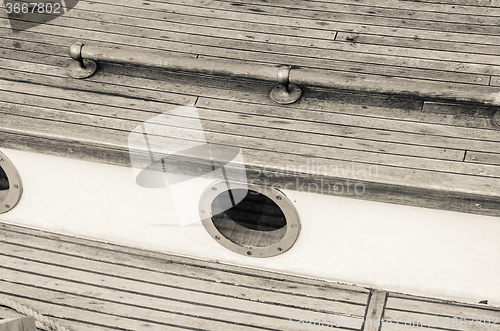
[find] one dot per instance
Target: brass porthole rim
(15, 185)
(284, 203)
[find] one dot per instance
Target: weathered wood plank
(477, 3)
(25, 295)
(417, 43)
(266, 10)
(355, 7)
(258, 157)
(256, 17)
(167, 285)
(321, 111)
(56, 76)
(267, 43)
(484, 158)
(189, 267)
(111, 86)
(345, 57)
(463, 115)
(342, 63)
(432, 321)
(252, 137)
(292, 130)
(375, 311)
(436, 307)
(119, 310)
(269, 319)
(193, 31)
(425, 6)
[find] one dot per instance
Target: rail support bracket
(285, 93)
(80, 68)
(496, 118)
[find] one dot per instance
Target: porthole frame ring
(293, 225)
(15, 184)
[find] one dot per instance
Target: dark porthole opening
(10, 184)
(4, 185)
(256, 221)
(249, 220)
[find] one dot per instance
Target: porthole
(249, 220)
(10, 185)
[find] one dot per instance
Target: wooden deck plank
(253, 137)
(375, 311)
(267, 9)
(175, 289)
(462, 115)
(14, 49)
(417, 43)
(434, 129)
(25, 296)
(87, 293)
(252, 37)
(393, 12)
(286, 129)
(483, 158)
(112, 285)
(429, 6)
(178, 7)
(267, 320)
(476, 3)
(256, 157)
(469, 71)
(397, 301)
(188, 267)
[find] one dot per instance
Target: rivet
(214, 188)
(294, 225)
(217, 237)
(16, 186)
(249, 253)
(278, 197)
(280, 249)
(472, 157)
(1, 160)
(203, 212)
(479, 79)
(7, 206)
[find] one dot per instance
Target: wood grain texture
(111, 285)
(435, 314)
(85, 284)
(375, 311)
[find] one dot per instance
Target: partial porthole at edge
(263, 223)
(11, 187)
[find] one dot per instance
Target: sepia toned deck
(426, 153)
(89, 285)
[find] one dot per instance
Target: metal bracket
(285, 93)
(496, 118)
(80, 68)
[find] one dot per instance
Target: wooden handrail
(288, 78)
